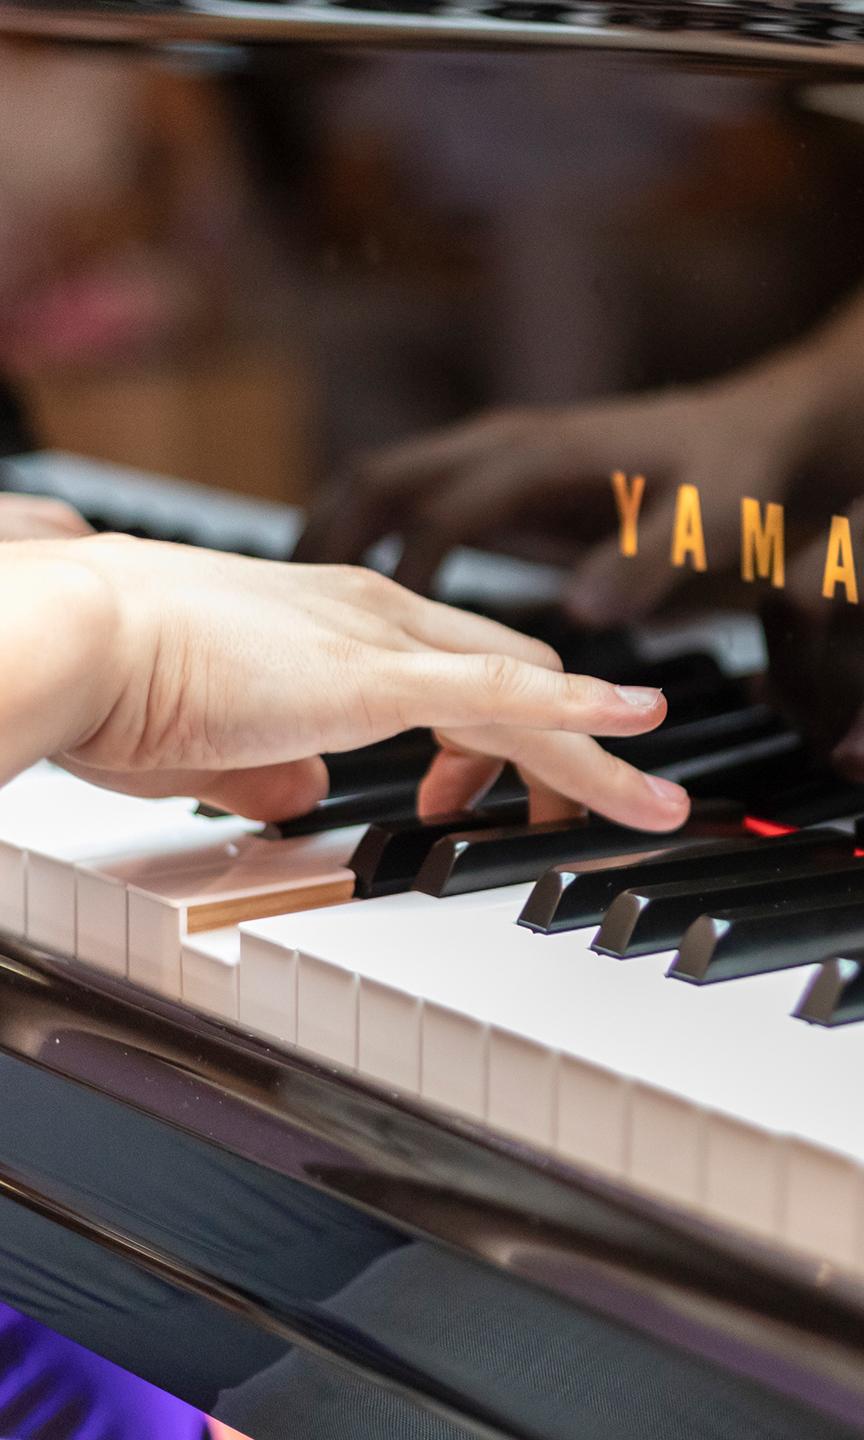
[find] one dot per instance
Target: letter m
(762, 543)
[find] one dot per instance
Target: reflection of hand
(816, 653)
(158, 669)
(513, 469)
(224, 1432)
(35, 517)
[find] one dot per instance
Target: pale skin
(157, 669)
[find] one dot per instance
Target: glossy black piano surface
(452, 278)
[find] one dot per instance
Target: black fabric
(562, 1374)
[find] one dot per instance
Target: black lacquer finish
(835, 995)
(507, 855)
(390, 854)
(566, 898)
(404, 1216)
(285, 247)
(751, 941)
(654, 917)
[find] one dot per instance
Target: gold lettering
(839, 561)
(628, 499)
(687, 537)
(762, 543)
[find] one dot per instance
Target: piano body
(484, 1150)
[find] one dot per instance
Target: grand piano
(362, 1129)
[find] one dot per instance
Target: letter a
(628, 499)
(762, 543)
(687, 536)
(839, 561)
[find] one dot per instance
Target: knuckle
(358, 582)
(589, 692)
(500, 675)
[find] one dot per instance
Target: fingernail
(666, 790)
(643, 697)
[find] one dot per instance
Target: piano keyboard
(498, 1003)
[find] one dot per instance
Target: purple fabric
(52, 1389)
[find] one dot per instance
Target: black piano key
(468, 861)
(391, 853)
(753, 768)
(387, 760)
(673, 744)
(814, 800)
(835, 996)
(733, 943)
(649, 918)
(364, 805)
(566, 898)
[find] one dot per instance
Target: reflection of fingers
(576, 767)
(411, 466)
(501, 488)
(609, 589)
(848, 755)
(346, 521)
(424, 551)
(444, 691)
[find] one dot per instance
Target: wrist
(61, 643)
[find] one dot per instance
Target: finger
(31, 517)
(449, 691)
(546, 803)
(264, 792)
(456, 780)
(445, 627)
(576, 767)
(268, 792)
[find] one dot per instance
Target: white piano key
(743, 1177)
(267, 999)
(666, 1145)
(357, 969)
(210, 967)
(103, 825)
(25, 807)
(593, 1115)
(522, 1087)
(232, 882)
(823, 1209)
(101, 891)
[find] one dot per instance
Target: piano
(364, 1127)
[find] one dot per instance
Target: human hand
(513, 470)
(227, 678)
(37, 517)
